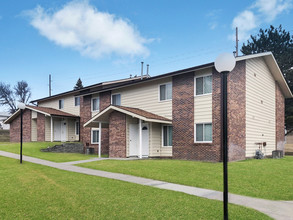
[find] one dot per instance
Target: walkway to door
(282, 210)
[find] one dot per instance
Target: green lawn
(268, 178)
(33, 149)
(31, 191)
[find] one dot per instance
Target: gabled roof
(103, 116)
(42, 110)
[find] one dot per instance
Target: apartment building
(176, 115)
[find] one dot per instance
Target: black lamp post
(224, 64)
(21, 106)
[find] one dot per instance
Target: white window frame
(199, 76)
(77, 122)
(159, 91)
(195, 141)
(112, 97)
(62, 105)
(93, 106)
(94, 129)
(75, 101)
(162, 132)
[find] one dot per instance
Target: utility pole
(237, 41)
(50, 84)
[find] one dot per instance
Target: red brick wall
(15, 127)
(183, 117)
(280, 119)
(41, 127)
(86, 115)
(117, 134)
(237, 112)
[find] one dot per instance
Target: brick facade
(237, 112)
(183, 117)
(117, 134)
(41, 127)
(86, 115)
(280, 119)
(15, 127)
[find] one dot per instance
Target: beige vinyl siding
(34, 130)
(260, 107)
(71, 130)
(34, 115)
(155, 140)
(47, 128)
(146, 96)
(203, 103)
(69, 105)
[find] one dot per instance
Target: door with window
(134, 140)
(63, 130)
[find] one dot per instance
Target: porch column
(51, 129)
(100, 138)
(140, 139)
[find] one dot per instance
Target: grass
(269, 178)
(31, 191)
(33, 149)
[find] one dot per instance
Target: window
(116, 99)
(166, 92)
(203, 85)
(77, 128)
(77, 101)
(167, 136)
(95, 104)
(203, 132)
(61, 103)
(95, 136)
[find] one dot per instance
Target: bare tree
(9, 97)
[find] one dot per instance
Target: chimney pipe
(141, 70)
(148, 69)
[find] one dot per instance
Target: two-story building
(176, 114)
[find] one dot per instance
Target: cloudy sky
(100, 40)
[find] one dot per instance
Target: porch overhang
(103, 116)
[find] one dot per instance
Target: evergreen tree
(280, 43)
(78, 84)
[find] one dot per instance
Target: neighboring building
(176, 115)
(3, 117)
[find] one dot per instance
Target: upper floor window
(203, 132)
(167, 131)
(116, 99)
(203, 85)
(166, 91)
(61, 103)
(95, 104)
(76, 101)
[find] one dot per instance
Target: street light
(224, 64)
(21, 106)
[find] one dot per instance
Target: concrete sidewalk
(282, 210)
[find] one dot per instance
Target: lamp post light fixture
(224, 64)
(21, 106)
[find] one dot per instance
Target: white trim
(51, 129)
(112, 98)
(162, 130)
(98, 110)
(94, 129)
(199, 76)
(128, 113)
(159, 91)
(140, 138)
(37, 111)
(202, 142)
(100, 137)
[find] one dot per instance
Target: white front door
(57, 130)
(63, 130)
(134, 139)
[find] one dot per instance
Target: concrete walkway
(282, 210)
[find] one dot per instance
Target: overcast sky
(101, 40)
